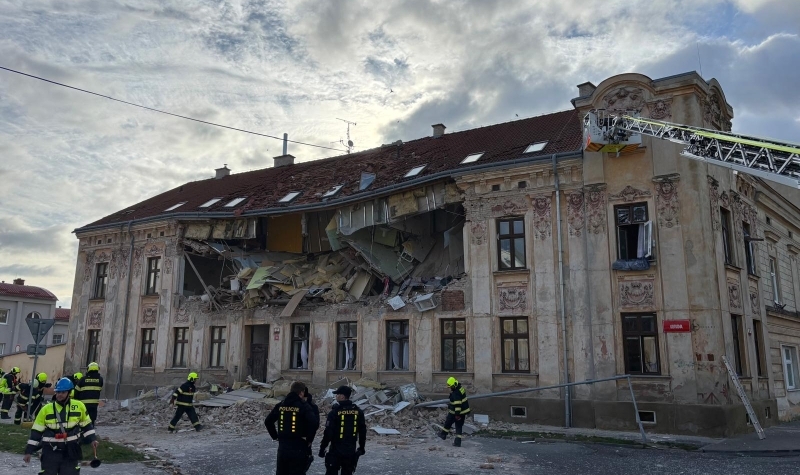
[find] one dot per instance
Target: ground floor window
(397, 345)
(790, 366)
(640, 334)
(180, 350)
(515, 349)
(454, 345)
(299, 356)
(217, 347)
(146, 353)
(346, 345)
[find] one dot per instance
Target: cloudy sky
(394, 67)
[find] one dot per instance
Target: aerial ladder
(765, 158)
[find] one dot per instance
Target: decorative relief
(149, 314)
(173, 249)
(478, 231)
(88, 266)
(624, 99)
(542, 216)
(744, 187)
(667, 205)
(713, 195)
(734, 295)
(630, 193)
(754, 301)
(95, 317)
(509, 206)
(182, 316)
(637, 293)
(478, 208)
(660, 109)
(725, 200)
(575, 214)
(153, 251)
(137, 261)
(712, 112)
(513, 299)
(596, 208)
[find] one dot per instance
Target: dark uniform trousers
(59, 463)
(91, 409)
(8, 400)
(338, 463)
(179, 410)
(451, 419)
(292, 458)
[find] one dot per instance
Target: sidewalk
(783, 439)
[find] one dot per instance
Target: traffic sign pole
(33, 379)
(39, 329)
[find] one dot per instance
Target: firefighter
(23, 393)
(457, 410)
(88, 389)
(58, 430)
(183, 399)
(38, 392)
(8, 388)
(295, 433)
(345, 426)
(75, 378)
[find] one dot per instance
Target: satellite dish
(349, 143)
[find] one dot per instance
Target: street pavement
(783, 439)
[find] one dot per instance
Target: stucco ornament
(149, 314)
(667, 205)
(637, 293)
(711, 109)
(713, 198)
(508, 206)
(137, 261)
(513, 299)
(478, 231)
(153, 251)
(596, 209)
(182, 316)
(624, 99)
(542, 217)
(630, 193)
(754, 301)
(734, 295)
(95, 319)
(660, 109)
(88, 266)
(575, 214)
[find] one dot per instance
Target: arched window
(34, 315)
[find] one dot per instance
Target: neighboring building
(19, 302)
(449, 254)
(51, 363)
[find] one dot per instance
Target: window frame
(454, 337)
(92, 345)
(153, 275)
(2, 348)
(511, 237)
(100, 281)
(641, 334)
(293, 364)
(147, 348)
(34, 315)
(775, 279)
(516, 336)
(725, 229)
(61, 340)
(4, 312)
(404, 337)
(647, 223)
(183, 344)
(761, 363)
(739, 348)
(218, 347)
(749, 255)
(795, 374)
(352, 335)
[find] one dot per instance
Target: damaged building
(505, 255)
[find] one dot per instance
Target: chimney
(586, 89)
(283, 160)
(19, 281)
(222, 172)
(438, 130)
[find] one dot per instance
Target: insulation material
(318, 237)
(361, 283)
(333, 236)
(292, 305)
(402, 204)
(285, 234)
(198, 231)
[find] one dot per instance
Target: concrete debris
(384, 431)
(233, 397)
(486, 466)
(481, 418)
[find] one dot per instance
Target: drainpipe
(567, 399)
(125, 315)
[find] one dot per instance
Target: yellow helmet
(93, 366)
(451, 381)
(41, 377)
(192, 376)
(77, 375)
(15, 370)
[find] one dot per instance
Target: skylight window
(366, 180)
(174, 207)
(235, 202)
(333, 191)
(535, 147)
(289, 196)
(210, 202)
(415, 171)
(472, 158)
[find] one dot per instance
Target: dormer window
(472, 158)
(333, 191)
(535, 147)
(210, 202)
(415, 171)
(289, 197)
(235, 202)
(366, 180)
(174, 207)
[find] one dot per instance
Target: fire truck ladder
(766, 158)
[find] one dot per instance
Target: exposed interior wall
(285, 233)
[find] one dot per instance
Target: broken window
(511, 243)
(634, 231)
(153, 272)
(366, 180)
(299, 356)
(454, 345)
(3, 316)
(641, 344)
(333, 191)
(217, 359)
(100, 280)
(515, 352)
(347, 333)
(146, 353)
(180, 349)
(92, 346)
(397, 345)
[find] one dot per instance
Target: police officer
(88, 389)
(344, 427)
(58, 430)
(457, 409)
(315, 410)
(183, 398)
(297, 426)
(8, 388)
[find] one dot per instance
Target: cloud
(26, 271)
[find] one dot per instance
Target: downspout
(125, 315)
(567, 399)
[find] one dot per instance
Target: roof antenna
(697, 44)
(349, 143)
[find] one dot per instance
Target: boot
(198, 427)
(442, 435)
(171, 430)
(457, 441)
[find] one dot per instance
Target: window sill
(517, 374)
(733, 267)
(300, 370)
(459, 371)
(150, 295)
(654, 377)
(396, 371)
(512, 271)
(97, 299)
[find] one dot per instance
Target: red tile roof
(442, 155)
(62, 314)
(26, 291)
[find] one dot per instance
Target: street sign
(34, 350)
(39, 327)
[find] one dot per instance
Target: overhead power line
(167, 113)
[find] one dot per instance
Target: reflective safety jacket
(458, 404)
(184, 395)
(8, 384)
(89, 387)
(295, 420)
(75, 424)
(345, 426)
(24, 391)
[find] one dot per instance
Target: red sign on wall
(677, 326)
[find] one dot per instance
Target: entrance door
(258, 353)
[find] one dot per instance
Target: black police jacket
(292, 421)
(345, 426)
